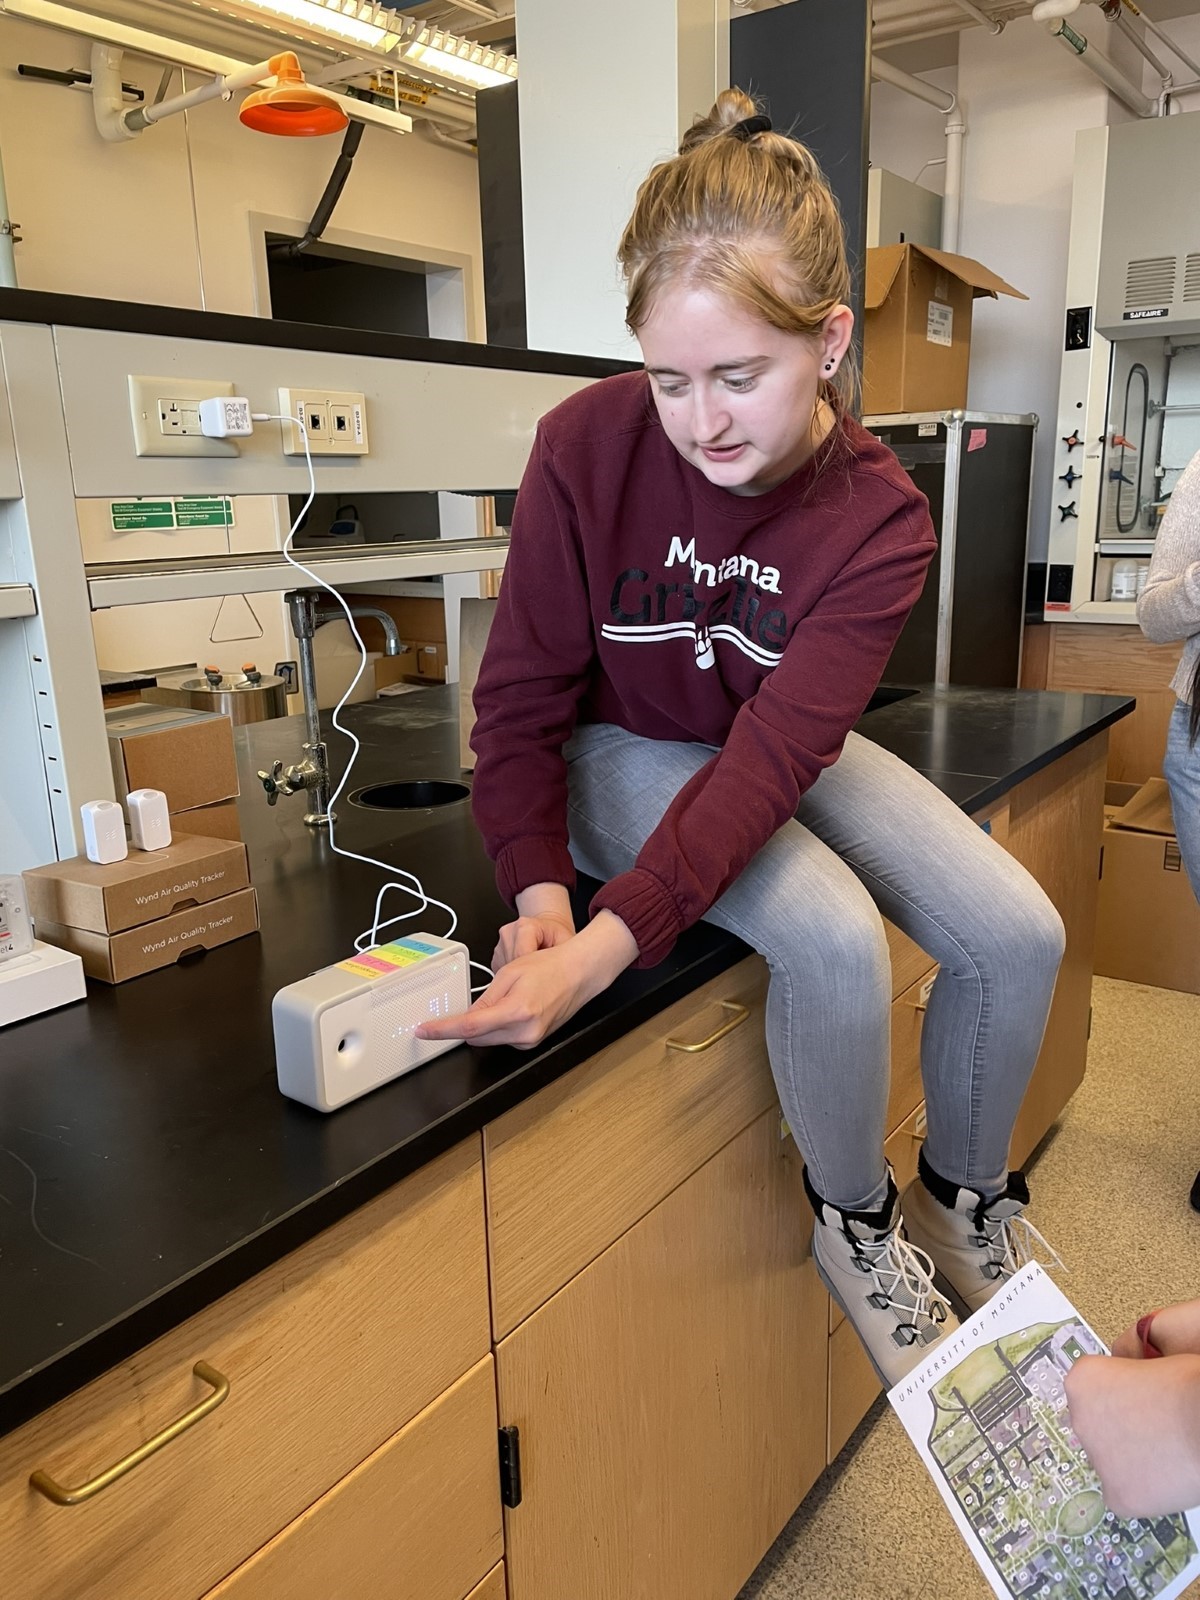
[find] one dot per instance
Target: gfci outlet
(336, 422)
(166, 416)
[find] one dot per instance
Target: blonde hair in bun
(747, 214)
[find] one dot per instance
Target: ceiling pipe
(1164, 72)
(941, 99)
(981, 17)
(1109, 74)
(1162, 36)
(956, 131)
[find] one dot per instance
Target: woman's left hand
(535, 994)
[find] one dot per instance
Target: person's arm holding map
(1139, 1419)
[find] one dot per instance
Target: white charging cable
(398, 877)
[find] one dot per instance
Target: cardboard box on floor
(917, 333)
(1148, 921)
(187, 754)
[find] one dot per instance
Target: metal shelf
(210, 577)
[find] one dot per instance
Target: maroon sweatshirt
(640, 594)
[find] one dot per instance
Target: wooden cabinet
(1054, 831)
(328, 1355)
(574, 1166)
(1117, 658)
(621, 1270)
(671, 1398)
(418, 1520)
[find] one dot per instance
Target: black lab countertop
(148, 1162)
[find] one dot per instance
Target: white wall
(594, 120)
(117, 219)
(169, 218)
(1025, 97)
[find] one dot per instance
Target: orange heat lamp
(292, 106)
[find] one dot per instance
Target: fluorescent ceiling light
(470, 63)
(387, 33)
(343, 20)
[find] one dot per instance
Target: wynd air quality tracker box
(343, 1031)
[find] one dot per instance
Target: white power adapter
(226, 416)
(103, 831)
(346, 1029)
(149, 819)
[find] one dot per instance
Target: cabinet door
(1053, 831)
(671, 1399)
(328, 1353)
(418, 1520)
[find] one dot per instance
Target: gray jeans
(870, 836)
(1181, 766)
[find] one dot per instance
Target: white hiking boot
(881, 1282)
(976, 1244)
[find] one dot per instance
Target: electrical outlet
(336, 422)
(181, 417)
(166, 416)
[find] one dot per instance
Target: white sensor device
(103, 831)
(343, 1031)
(149, 819)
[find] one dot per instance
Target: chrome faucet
(308, 613)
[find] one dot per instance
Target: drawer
(418, 1520)
(431, 661)
(571, 1169)
(492, 1587)
(901, 1150)
(327, 1354)
(909, 961)
(908, 1015)
(853, 1386)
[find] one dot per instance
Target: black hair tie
(749, 126)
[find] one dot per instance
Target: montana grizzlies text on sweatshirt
(638, 593)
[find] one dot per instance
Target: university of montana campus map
(989, 1417)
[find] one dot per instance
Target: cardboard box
(187, 754)
(147, 885)
(1148, 921)
(115, 957)
(917, 334)
(210, 822)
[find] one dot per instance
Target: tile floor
(1110, 1188)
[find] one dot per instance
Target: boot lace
(903, 1276)
(1012, 1243)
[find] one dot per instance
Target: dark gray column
(810, 64)
(498, 121)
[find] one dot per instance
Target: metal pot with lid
(254, 697)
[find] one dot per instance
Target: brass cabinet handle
(45, 1484)
(738, 1015)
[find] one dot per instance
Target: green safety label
(212, 512)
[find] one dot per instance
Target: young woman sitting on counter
(711, 561)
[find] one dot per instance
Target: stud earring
(829, 366)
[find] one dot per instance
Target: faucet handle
(270, 781)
